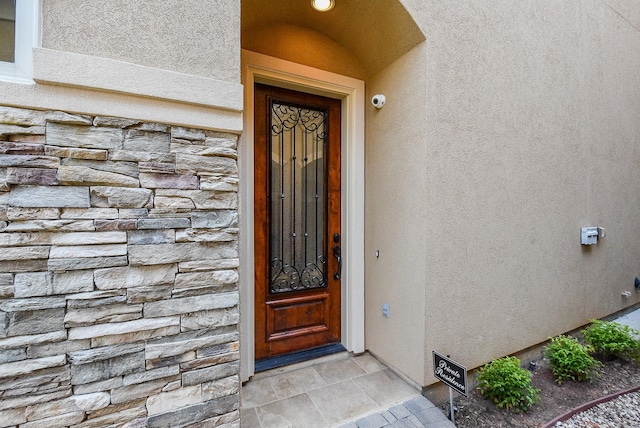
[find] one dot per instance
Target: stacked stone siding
(118, 273)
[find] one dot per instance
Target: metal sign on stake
(452, 374)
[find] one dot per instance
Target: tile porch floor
(336, 391)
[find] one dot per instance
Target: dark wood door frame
(293, 321)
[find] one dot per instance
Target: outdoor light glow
(323, 5)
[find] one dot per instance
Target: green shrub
(571, 360)
(507, 384)
(613, 340)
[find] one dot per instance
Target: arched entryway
(374, 32)
(289, 45)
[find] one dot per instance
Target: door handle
(338, 255)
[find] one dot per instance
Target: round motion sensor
(378, 100)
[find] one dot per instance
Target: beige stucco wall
(187, 36)
(176, 62)
(612, 130)
(504, 132)
(529, 130)
(395, 220)
(376, 32)
(303, 46)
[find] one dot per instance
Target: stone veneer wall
(118, 273)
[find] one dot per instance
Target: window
(7, 30)
(19, 30)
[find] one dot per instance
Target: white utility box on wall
(589, 235)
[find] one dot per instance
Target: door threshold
(297, 357)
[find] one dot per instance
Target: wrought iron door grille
(298, 143)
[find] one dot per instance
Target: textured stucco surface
(395, 221)
(188, 36)
(173, 62)
(303, 46)
(532, 131)
(375, 32)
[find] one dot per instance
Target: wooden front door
(297, 221)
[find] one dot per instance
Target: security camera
(378, 100)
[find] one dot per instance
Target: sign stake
(453, 416)
(451, 374)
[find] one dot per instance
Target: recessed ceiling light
(323, 5)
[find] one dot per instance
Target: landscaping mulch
(475, 411)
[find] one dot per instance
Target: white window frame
(27, 36)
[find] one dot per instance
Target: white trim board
(86, 84)
(264, 69)
(95, 73)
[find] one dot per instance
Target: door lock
(337, 254)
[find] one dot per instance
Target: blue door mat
(297, 357)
